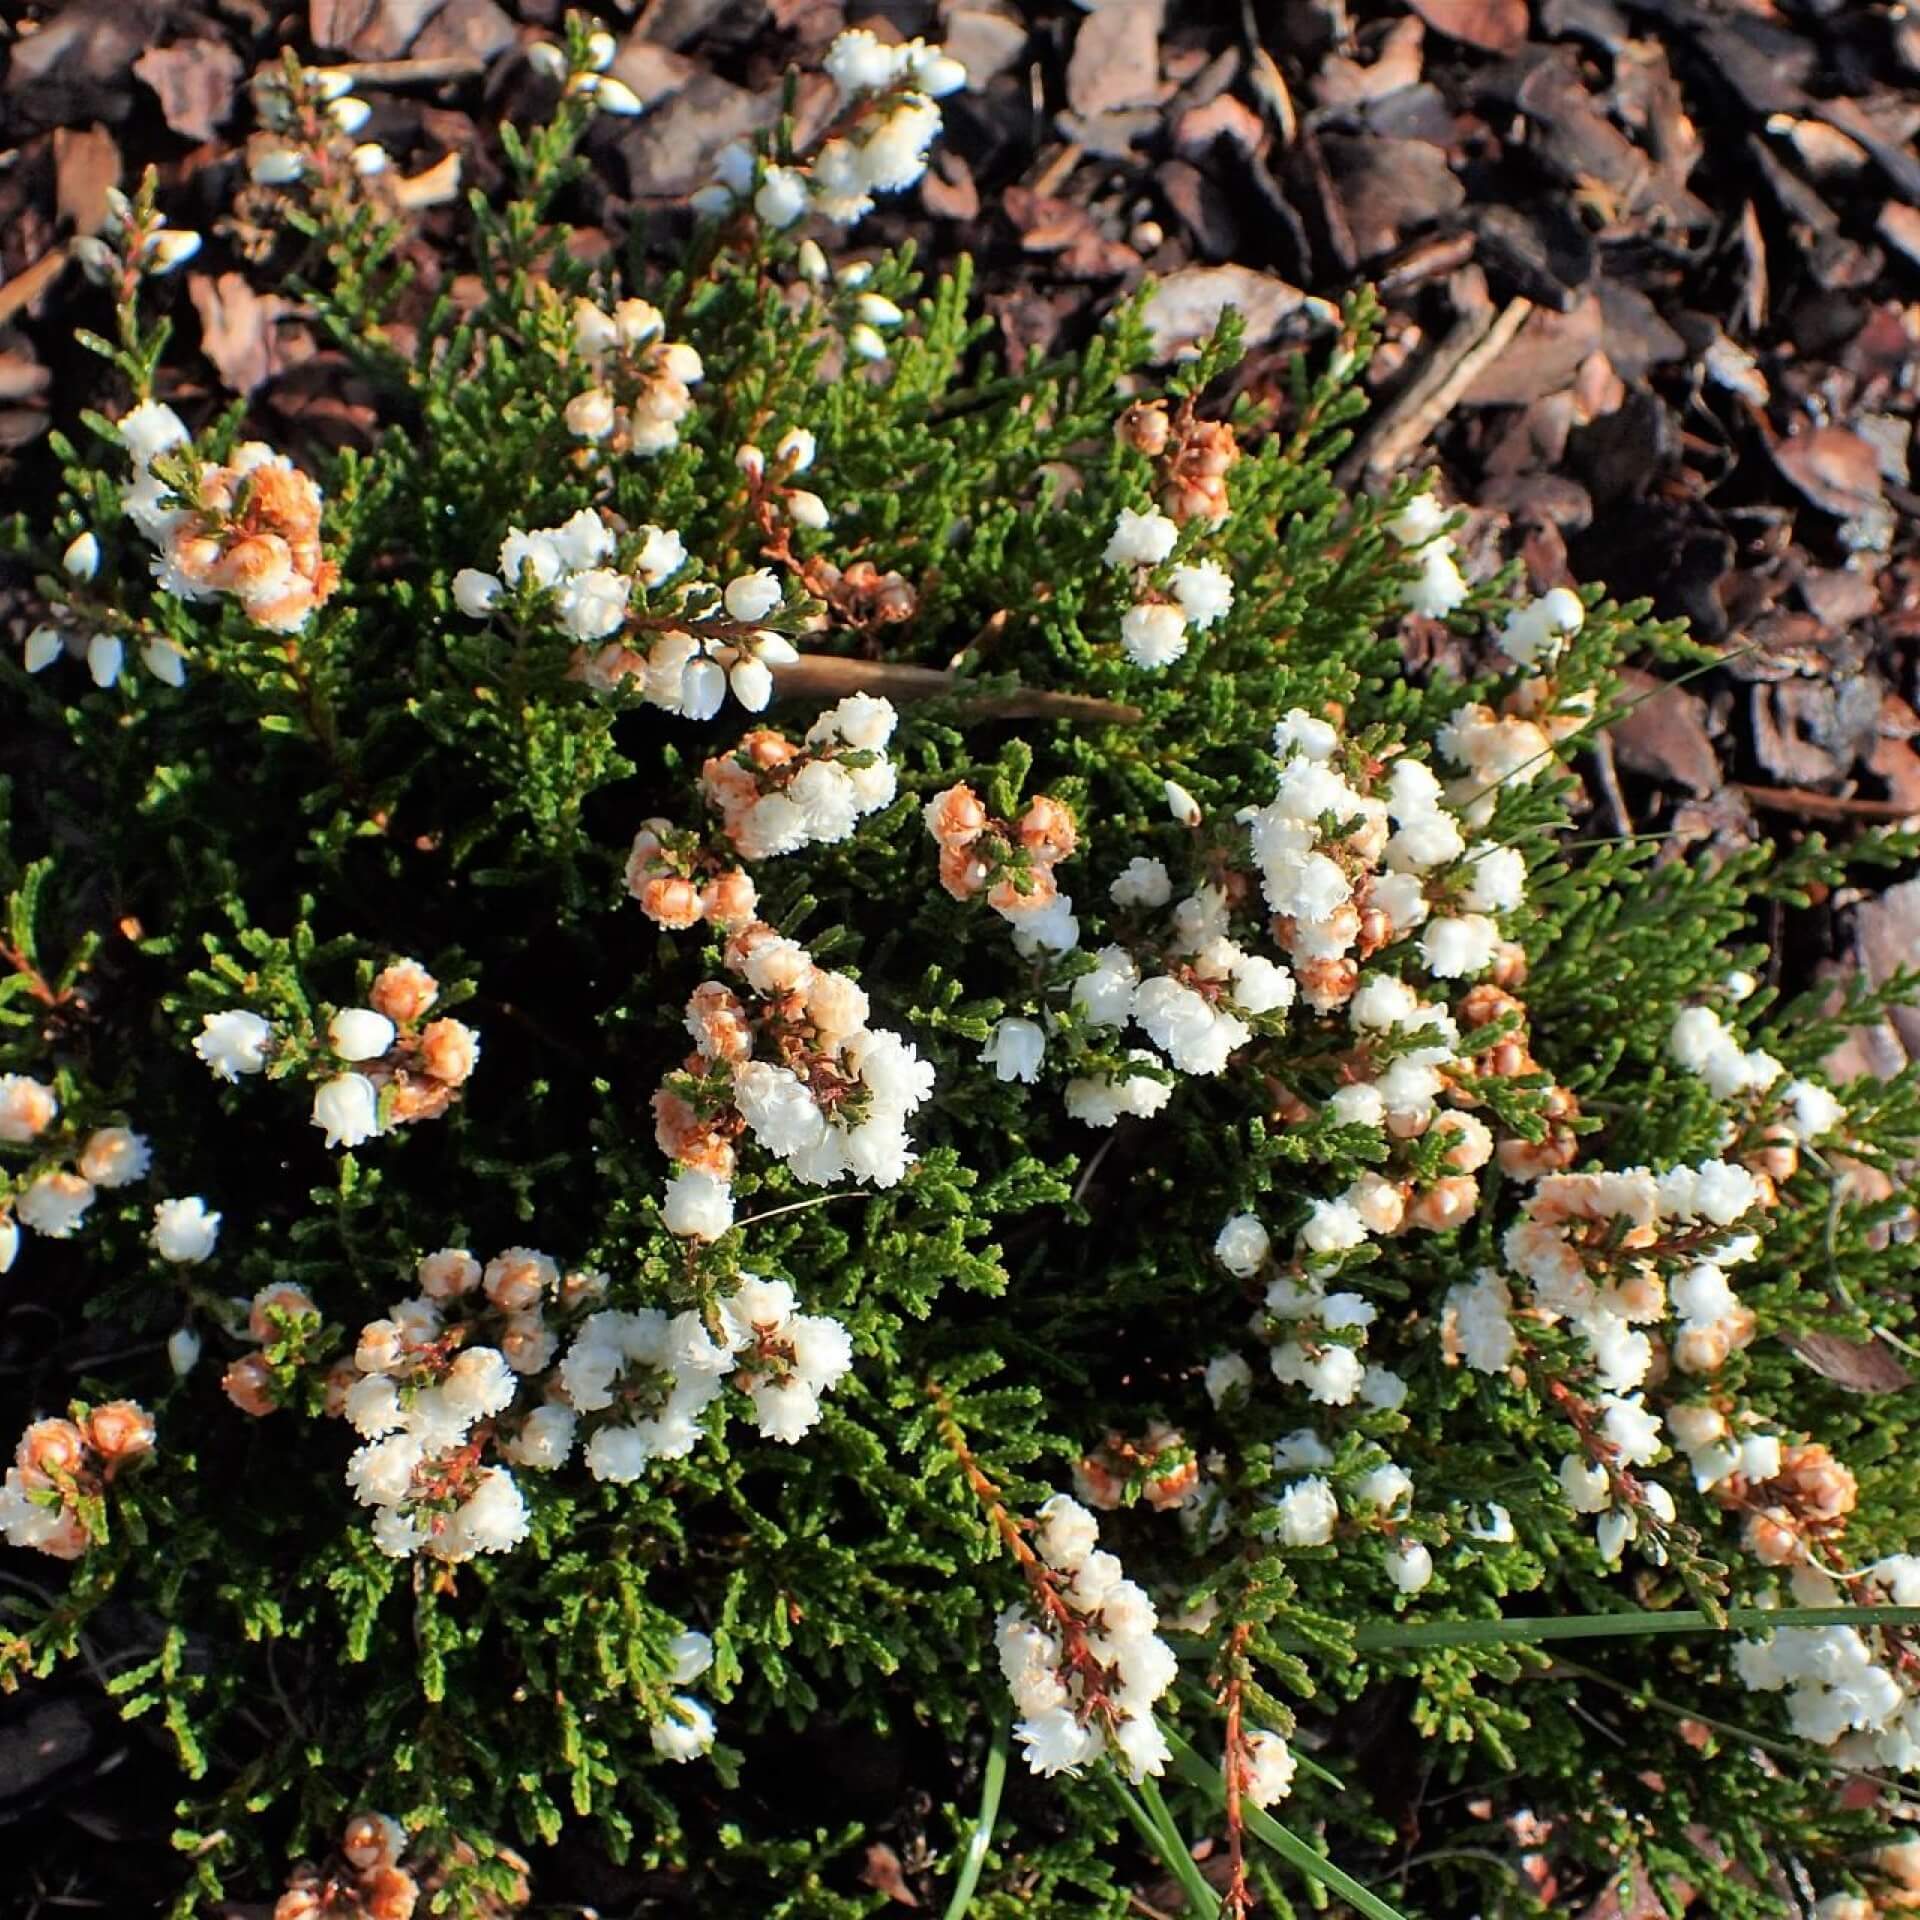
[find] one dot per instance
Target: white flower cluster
(774, 797)
(1843, 1694)
(1154, 630)
(400, 1068)
(589, 598)
(1344, 868)
(423, 1404)
(641, 380)
(1307, 1510)
(801, 1071)
(479, 1363)
(1613, 1252)
(1086, 1676)
(1420, 527)
(656, 1376)
(887, 122)
(55, 1201)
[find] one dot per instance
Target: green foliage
(399, 778)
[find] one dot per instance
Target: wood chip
(1116, 57)
(1860, 1366)
(1494, 26)
(195, 81)
(86, 162)
(236, 328)
(1185, 307)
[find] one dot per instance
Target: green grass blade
(1164, 1844)
(1392, 1636)
(981, 1838)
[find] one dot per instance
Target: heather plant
(770, 1030)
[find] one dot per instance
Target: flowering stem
(1290, 1847)
(1235, 1902)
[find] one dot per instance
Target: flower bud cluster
(1086, 1673)
(1154, 630)
(309, 117)
(641, 382)
(364, 1882)
(132, 241)
(1193, 458)
(585, 76)
(655, 1376)
(678, 884)
(55, 1199)
(1011, 862)
(774, 797)
(877, 143)
(796, 1066)
(249, 529)
(60, 1467)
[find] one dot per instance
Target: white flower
(686, 1732)
(1497, 878)
(348, 1107)
(81, 561)
(150, 429)
(493, 1518)
(593, 604)
(54, 1204)
(1143, 883)
(859, 62)
(1067, 1533)
(183, 1351)
(105, 656)
(1270, 1768)
(1204, 590)
(1440, 587)
(44, 646)
(1308, 1512)
(782, 197)
(1418, 521)
(1410, 1566)
(1458, 947)
(1182, 805)
(233, 1043)
(865, 343)
(1056, 1742)
(1153, 635)
(358, 1033)
(698, 1206)
(1140, 539)
(165, 662)
(27, 1108)
(183, 1230)
(1015, 1049)
(1227, 1374)
(662, 554)
(1812, 1111)
(475, 593)
(1242, 1246)
(1333, 1226)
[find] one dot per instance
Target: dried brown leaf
(1860, 1366)
(1837, 470)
